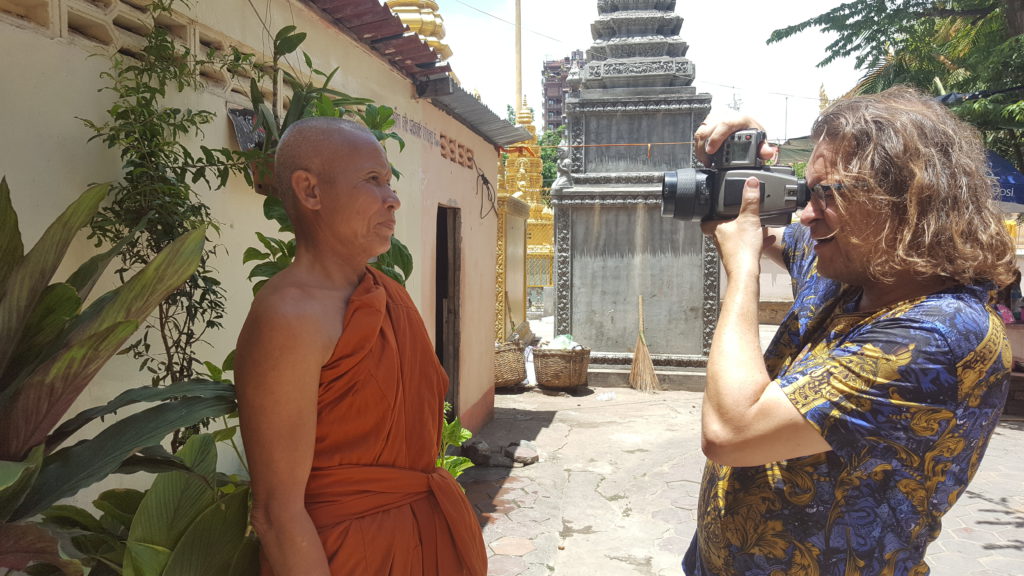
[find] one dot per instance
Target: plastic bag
(562, 342)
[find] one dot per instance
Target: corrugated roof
(375, 25)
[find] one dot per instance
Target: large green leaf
(177, 499)
(58, 305)
(67, 517)
(214, 540)
(26, 281)
(137, 297)
(247, 558)
(41, 398)
(287, 43)
(44, 397)
(25, 544)
(396, 262)
(142, 559)
(119, 507)
(11, 248)
(84, 278)
(154, 460)
(15, 480)
(70, 469)
(197, 388)
(103, 547)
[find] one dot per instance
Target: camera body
(716, 193)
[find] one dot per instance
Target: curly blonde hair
(923, 174)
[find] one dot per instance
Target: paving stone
(616, 492)
(512, 546)
(505, 566)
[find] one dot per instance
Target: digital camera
(716, 193)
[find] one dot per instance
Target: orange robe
(378, 501)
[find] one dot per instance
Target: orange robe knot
(343, 493)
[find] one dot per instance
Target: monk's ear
(306, 186)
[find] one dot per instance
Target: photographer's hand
(740, 240)
(709, 137)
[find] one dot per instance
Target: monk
(340, 394)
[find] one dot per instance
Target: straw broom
(641, 374)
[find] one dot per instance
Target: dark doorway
(448, 303)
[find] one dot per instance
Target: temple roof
(376, 26)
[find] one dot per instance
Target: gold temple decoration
(540, 227)
(520, 188)
(511, 204)
(424, 18)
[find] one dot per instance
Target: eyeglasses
(825, 194)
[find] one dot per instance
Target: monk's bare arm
(277, 370)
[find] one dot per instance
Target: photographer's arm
(746, 419)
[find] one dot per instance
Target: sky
(777, 84)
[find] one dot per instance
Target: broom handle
(508, 310)
(641, 298)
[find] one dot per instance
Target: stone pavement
(615, 490)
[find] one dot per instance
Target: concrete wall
(52, 76)
(620, 252)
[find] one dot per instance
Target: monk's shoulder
(291, 314)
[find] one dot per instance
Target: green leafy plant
(453, 435)
(51, 346)
(307, 99)
(155, 201)
(548, 143)
(191, 522)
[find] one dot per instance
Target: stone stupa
(631, 112)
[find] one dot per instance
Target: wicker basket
(509, 365)
(563, 369)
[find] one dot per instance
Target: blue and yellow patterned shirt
(907, 397)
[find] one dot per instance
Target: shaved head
(311, 144)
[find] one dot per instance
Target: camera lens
(684, 194)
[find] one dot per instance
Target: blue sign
(1011, 182)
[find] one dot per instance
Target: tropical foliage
(51, 346)
(155, 201)
(191, 522)
(548, 143)
(453, 435)
(972, 47)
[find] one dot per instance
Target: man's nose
(809, 213)
(392, 200)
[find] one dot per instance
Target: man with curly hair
(839, 452)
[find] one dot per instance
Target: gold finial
(424, 18)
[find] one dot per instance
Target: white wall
(51, 77)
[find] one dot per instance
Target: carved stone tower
(631, 114)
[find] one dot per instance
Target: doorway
(448, 298)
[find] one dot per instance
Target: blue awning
(1011, 183)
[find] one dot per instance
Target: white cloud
(778, 84)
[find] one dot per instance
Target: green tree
(548, 143)
(961, 46)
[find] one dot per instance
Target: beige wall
(49, 79)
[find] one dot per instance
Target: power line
(697, 83)
(500, 19)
